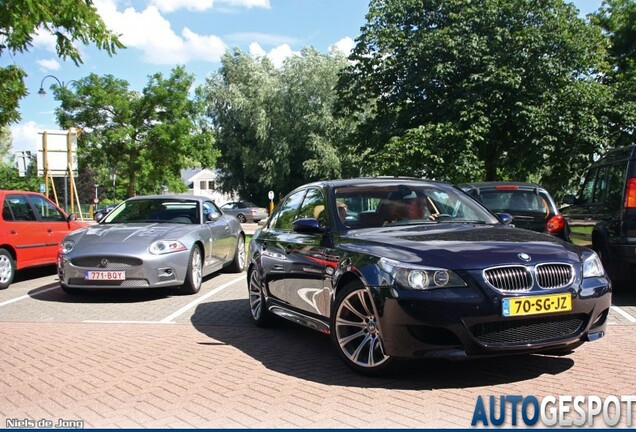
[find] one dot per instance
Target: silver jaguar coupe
(151, 242)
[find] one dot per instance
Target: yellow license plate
(518, 306)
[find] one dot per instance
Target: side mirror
(569, 199)
(506, 218)
(308, 226)
(71, 217)
(99, 216)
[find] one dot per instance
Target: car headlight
(66, 246)
(592, 266)
(161, 247)
(419, 277)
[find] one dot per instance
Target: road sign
(270, 195)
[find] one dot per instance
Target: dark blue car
(399, 267)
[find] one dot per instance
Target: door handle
(49, 230)
(13, 232)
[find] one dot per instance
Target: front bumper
(142, 270)
(468, 322)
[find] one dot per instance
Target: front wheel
(260, 314)
(7, 269)
(355, 331)
(241, 218)
(194, 276)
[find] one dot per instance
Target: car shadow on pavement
(623, 294)
(306, 354)
(34, 273)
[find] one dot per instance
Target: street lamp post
(62, 84)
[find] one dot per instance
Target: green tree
(618, 19)
(148, 136)
(483, 89)
(275, 128)
(70, 21)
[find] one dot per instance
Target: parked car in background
(422, 271)
(603, 215)
(99, 214)
(151, 242)
(31, 229)
(530, 205)
(245, 211)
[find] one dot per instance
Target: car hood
(465, 246)
(131, 234)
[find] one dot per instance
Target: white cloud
(24, 136)
(247, 3)
(151, 33)
(261, 38)
(344, 45)
(44, 40)
(48, 65)
(201, 5)
(173, 5)
(276, 55)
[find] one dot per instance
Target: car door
(276, 241)
(54, 220)
(305, 282)
(221, 235)
(30, 238)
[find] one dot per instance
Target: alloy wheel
(357, 331)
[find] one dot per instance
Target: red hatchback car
(31, 229)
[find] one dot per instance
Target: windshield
(155, 211)
(393, 203)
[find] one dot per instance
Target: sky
(161, 34)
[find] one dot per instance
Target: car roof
(494, 184)
(171, 197)
(363, 181)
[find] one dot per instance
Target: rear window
(512, 201)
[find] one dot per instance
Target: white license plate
(105, 275)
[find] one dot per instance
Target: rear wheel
(194, 276)
(7, 269)
(356, 332)
(238, 263)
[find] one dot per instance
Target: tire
(261, 316)
(241, 218)
(355, 333)
(7, 269)
(194, 276)
(238, 262)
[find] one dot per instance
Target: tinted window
(514, 200)
(600, 186)
(615, 186)
(20, 208)
(313, 206)
(45, 209)
(210, 211)
(588, 187)
(286, 215)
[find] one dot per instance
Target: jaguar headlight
(592, 266)
(66, 246)
(161, 247)
(419, 277)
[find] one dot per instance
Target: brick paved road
(156, 360)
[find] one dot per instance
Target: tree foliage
(70, 21)
(483, 89)
(148, 137)
(618, 19)
(275, 128)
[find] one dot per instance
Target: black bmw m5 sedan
(401, 267)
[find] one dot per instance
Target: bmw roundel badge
(524, 257)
